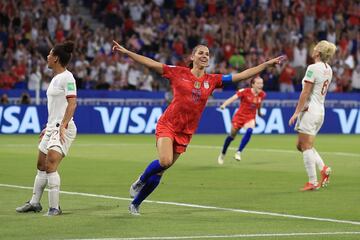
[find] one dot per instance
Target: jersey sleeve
(218, 80)
(70, 87)
(310, 74)
(263, 95)
(170, 71)
(240, 92)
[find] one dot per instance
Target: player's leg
(325, 171)
(227, 142)
(39, 185)
(249, 126)
(53, 160)
(57, 150)
(167, 158)
(304, 145)
(165, 151)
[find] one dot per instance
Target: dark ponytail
(64, 52)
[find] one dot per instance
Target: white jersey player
(310, 113)
(59, 133)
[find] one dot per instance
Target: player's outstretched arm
(148, 62)
(304, 96)
(248, 73)
(228, 101)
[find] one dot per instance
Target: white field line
(284, 151)
(227, 236)
(199, 206)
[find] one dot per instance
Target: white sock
(318, 160)
(309, 162)
(54, 189)
(39, 186)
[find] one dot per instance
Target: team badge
(197, 84)
(206, 84)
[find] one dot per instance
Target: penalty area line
(198, 206)
(264, 235)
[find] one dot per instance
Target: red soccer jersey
(249, 103)
(190, 97)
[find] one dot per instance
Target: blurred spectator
(4, 99)
(287, 73)
(25, 98)
(146, 81)
(355, 79)
(34, 79)
(238, 33)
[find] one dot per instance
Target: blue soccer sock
(153, 168)
(149, 187)
(227, 142)
(245, 139)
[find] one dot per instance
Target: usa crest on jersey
(206, 85)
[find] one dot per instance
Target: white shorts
(51, 139)
(309, 123)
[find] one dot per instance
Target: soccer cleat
(325, 175)
(134, 209)
(53, 212)
(28, 207)
(136, 187)
(309, 187)
(237, 156)
(221, 159)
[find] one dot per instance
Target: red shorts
(240, 122)
(180, 140)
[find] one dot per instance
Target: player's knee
(166, 162)
(301, 146)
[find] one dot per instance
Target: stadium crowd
(239, 33)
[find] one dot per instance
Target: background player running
(250, 103)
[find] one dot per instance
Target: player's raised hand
(118, 47)
(276, 61)
(222, 107)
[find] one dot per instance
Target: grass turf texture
(267, 180)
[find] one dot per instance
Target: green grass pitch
(266, 182)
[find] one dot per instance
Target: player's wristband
(226, 78)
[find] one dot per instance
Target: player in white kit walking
(310, 113)
(59, 133)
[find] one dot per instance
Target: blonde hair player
(59, 133)
(309, 113)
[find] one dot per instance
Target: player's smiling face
(201, 57)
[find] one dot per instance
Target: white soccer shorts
(309, 123)
(51, 140)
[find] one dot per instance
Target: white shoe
(237, 156)
(134, 209)
(221, 159)
(136, 187)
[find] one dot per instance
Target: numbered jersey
(319, 74)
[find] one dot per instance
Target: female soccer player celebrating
(310, 112)
(59, 133)
(191, 88)
(251, 99)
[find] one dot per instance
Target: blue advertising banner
(16, 119)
